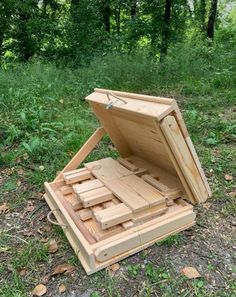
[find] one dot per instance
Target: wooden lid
(151, 128)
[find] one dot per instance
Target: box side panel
(184, 158)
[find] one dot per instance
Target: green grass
(44, 120)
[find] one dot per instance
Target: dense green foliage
(73, 31)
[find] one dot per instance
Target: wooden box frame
(162, 117)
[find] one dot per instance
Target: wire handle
(52, 221)
(111, 103)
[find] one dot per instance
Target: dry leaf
(115, 267)
(4, 207)
(63, 268)
(61, 289)
(190, 272)
(29, 206)
(228, 177)
(22, 272)
(52, 247)
(28, 233)
(18, 183)
(232, 194)
(20, 171)
(207, 205)
(39, 290)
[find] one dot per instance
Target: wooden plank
(107, 169)
(144, 190)
(113, 215)
(85, 214)
(149, 213)
(127, 164)
(66, 190)
(163, 189)
(100, 234)
(96, 196)
(76, 176)
(87, 186)
(74, 201)
(111, 128)
(141, 237)
(188, 140)
(189, 194)
(127, 225)
(83, 152)
(184, 158)
(127, 194)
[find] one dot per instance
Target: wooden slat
(189, 194)
(127, 195)
(107, 169)
(183, 156)
(113, 215)
(141, 237)
(74, 201)
(66, 190)
(79, 224)
(99, 234)
(163, 189)
(83, 152)
(76, 176)
(85, 214)
(127, 164)
(96, 196)
(149, 213)
(188, 140)
(87, 186)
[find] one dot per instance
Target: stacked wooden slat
(109, 196)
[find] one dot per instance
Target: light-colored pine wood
(74, 201)
(107, 169)
(127, 225)
(96, 196)
(76, 176)
(187, 190)
(111, 129)
(144, 190)
(84, 151)
(85, 214)
(127, 164)
(188, 140)
(135, 239)
(67, 210)
(100, 234)
(149, 213)
(113, 215)
(66, 190)
(87, 186)
(163, 189)
(127, 195)
(182, 154)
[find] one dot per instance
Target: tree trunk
(165, 30)
(211, 19)
(106, 12)
(133, 9)
(202, 15)
(117, 19)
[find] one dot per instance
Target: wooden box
(110, 209)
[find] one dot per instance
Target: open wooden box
(110, 209)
